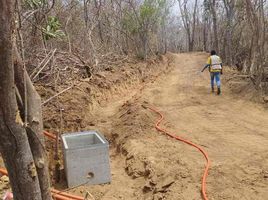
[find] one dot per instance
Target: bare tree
(189, 21)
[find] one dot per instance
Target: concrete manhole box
(86, 158)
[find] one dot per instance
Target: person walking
(214, 63)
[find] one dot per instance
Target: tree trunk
(189, 25)
(190, 42)
(86, 18)
(145, 45)
(263, 26)
(205, 32)
(229, 8)
(254, 49)
(23, 143)
(14, 145)
(34, 127)
(193, 26)
(98, 8)
(215, 25)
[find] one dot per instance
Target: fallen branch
(89, 195)
(44, 64)
(40, 64)
(48, 100)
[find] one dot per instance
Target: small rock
(147, 188)
(158, 196)
(91, 124)
(4, 179)
(86, 79)
(100, 75)
(165, 184)
(168, 182)
(265, 175)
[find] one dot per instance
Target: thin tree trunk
(215, 25)
(255, 27)
(14, 145)
(98, 8)
(229, 7)
(205, 32)
(86, 18)
(193, 26)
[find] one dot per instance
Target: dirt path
(234, 132)
(150, 165)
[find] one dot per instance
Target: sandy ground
(146, 164)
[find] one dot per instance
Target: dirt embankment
(244, 86)
(101, 88)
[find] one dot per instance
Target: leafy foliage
(52, 29)
(150, 13)
(151, 10)
(34, 4)
(129, 23)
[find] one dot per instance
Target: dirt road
(234, 132)
(149, 165)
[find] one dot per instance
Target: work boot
(219, 91)
(212, 90)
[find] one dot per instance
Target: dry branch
(48, 100)
(47, 61)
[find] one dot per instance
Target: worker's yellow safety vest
(215, 63)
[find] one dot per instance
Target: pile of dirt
(149, 155)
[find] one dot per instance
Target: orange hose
(58, 195)
(50, 135)
(57, 192)
(157, 126)
(3, 171)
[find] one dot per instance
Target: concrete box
(86, 158)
